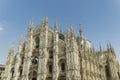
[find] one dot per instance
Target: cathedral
(49, 54)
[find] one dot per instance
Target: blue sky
(100, 20)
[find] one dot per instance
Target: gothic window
(63, 67)
(107, 72)
(119, 75)
(20, 72)
(37, 40)
(50, 68)
(22, 61)
(50, 54)
(12, 72)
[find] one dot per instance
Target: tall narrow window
(50, 68)
(119, 75)
(22, 61)
(12, 73)
(37, 40)
(107, 72)
(20, 72)
(63, 67)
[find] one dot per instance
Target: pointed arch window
(50, 68)
(12, 72)
(37, 40)
(107, 72)
(63, 67)
(22, 61)
(20, 72)
(119, 75)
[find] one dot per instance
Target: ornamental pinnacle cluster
(49, 54)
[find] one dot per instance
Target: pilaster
(55, 53)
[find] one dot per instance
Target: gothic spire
(110, 45)
(60, 29)
(100, 47)
(111, 48)
(11, 51)
(31, 24)
(46, 20)
(80, 30)
(72, 33)
(55, 26)
(20, 43)
(107, 46)
(43, 21)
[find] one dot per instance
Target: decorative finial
(31, 24)
(43, 20)
(107, 46)
(55, 25)
(20, 41)
(80, 31)
(11, 49)
(73, 31)
(80, 28)
(100, 47)
(110, 45)
(46, 20)
(60, 29)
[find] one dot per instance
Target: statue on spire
(55, 25)
(20, 41)
(60, 29)
(43, 21)
(46, 20)
(31, 24)
(80, 31)
(20, 44)
(11, 49)
(100, 47)
(11, 52)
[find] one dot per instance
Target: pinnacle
(80, 28)
(55, 25)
